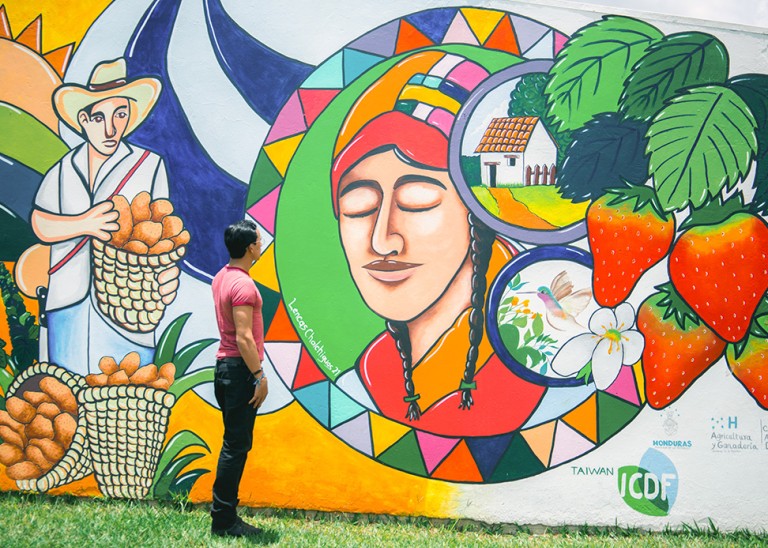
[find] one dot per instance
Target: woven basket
(76, 462)
(126, 426)
(127, 290)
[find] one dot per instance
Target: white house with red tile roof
(517, 151)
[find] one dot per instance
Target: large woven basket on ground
(127, 290)
(126, 426)
(76, 462)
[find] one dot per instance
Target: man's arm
(246, 345)
(98, 222)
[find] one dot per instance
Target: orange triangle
(459, 466)
(385, 433)
(59, 58)
(583, 419)
(32, 36)
(541, 440)
(409, 38)
(503, 38)
(481, 21)
(5, 25)
(281, 328)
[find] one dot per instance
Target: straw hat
(108, 80)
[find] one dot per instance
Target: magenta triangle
(560, 40)
(434, 448)
(285, 357)
(569, 444)
(624, 386)
(289, 122)
(264, 211)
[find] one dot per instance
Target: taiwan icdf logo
(650, 487)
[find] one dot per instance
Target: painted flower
(611, 344)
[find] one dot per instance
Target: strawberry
(751, 368)
(628, 234)
(748, 359)
(678, 347)
(721, 271)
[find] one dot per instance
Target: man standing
(72, 206)
(239, 382)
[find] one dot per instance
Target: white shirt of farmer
(65, 191)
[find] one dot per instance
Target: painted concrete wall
(594, 350)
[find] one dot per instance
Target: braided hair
(481, 245)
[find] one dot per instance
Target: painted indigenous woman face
(405, 233)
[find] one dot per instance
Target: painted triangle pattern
(356, 63)
(351, 385)
(459, 465)
(380, 41)
(357, 433)
(385, 432)
(264, 271)
(32, 36)
(285, 359)
(315, 399)
(583, 419)
(314, 101)
(488, 451)
(434, 448)
(281, 152)
(541, 440)
(308, 372)
(527, 32)
(405, 455)
(264, 179)
(569, 444)
(503, 38)
(433, 23)
(343, 408)
(409, 38)
(282, 330)
(290, 120)
(460, 33)
(5, 26)
(543, 49)
(328, 75)
(560, 40)
(264, 211)
(624, 386)
(482, 21)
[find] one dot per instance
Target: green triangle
(613, 414)
(517, 462)
(264, 179)
(405, 455)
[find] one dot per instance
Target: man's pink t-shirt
(232, 287)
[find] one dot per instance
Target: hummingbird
(562, 303)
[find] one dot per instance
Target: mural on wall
(458, 208)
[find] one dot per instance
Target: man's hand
(259, 393)
(169, 283)
(99, 221)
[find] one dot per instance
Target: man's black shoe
(239, 529)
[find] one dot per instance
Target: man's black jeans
(233, 385)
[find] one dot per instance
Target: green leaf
(178, 443)
(538, 325)
(6, 379)
(169, 340)
(753, 89)
(162, 486)
(191, 380)
(184, 357)
(510, 337)
(184, 483)
(589, 72)
(698, 143)
(675, 62)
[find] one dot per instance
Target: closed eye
(416, 209)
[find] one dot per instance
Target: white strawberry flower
(611, 344)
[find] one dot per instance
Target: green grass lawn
(30, 520)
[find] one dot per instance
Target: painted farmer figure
(73, 206)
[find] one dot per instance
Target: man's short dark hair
(238, 236)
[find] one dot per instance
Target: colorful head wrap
(412, 107)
